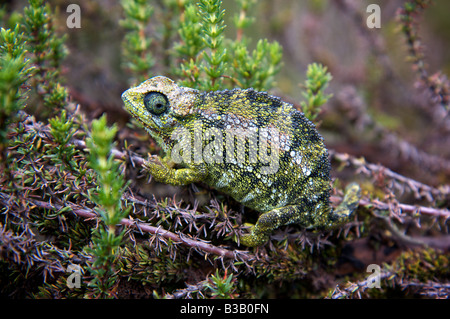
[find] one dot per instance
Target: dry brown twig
(358, 287)
(176, 238)
(397, 181)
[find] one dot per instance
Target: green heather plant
(210, 61)
(215, 54)
(437, 84)
(107, 238)
(15, 69)
(47, 50)
(190, 46)
(63, 130)
(317, 79)
(222, 287)
(137, 43)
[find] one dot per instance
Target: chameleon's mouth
(127, 102)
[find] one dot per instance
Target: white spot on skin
(224, 181)
(282, 202)
(248, 197)
(297, 159)
(306, 170)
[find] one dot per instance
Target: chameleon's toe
(253, 239)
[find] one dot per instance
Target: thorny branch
(430, 288)
(358, 287)
(398, 181)
(177, 238)
(437, 84)
(389, 278)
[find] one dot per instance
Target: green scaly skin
(288, 182)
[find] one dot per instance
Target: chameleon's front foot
(162, 172)
(254, 237)
(157, 168)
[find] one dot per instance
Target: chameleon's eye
(156, 103)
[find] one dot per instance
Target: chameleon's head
(158, 104)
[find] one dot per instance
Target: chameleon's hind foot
(349, 204)
(254, 237)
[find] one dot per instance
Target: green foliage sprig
(190, 46)
(15, 70)
(438, 83)
(243, 20)
(63, 130)
(222, 287)
(257, 69)
(213, 27)
(47, 52)
(136, 46)
(204, 57)
(208, 58)
(254, 69)
(317, 79)
(108, 196)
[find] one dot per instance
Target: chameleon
(250, 145)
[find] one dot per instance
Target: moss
(422, 265)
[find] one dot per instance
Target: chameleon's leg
(349, 204)
(162, 172)
(322, 217)
(268, 222)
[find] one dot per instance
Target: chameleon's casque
(248, 144)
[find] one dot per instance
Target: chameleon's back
(264, 153)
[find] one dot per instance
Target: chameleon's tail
(345, 209)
